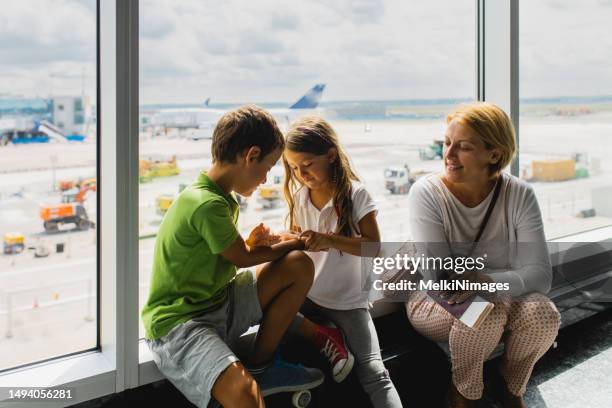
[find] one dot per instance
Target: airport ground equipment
(70, 211)
(553, 170)
(398, 179)
(271, 192)
(65, 185)
(41, 132)
(163, 203)
(42, 250)
(14, 243)
(270, 195)
(151, 168)
(433, 151)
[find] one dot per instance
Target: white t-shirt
(338, 282)
(436, 215)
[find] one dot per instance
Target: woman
(450, 208)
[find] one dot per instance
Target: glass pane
(48, 268)
(566, 112)
(386, 73)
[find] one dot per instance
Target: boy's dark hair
(242, 128)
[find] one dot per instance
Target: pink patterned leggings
(528, 326)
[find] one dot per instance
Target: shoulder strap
(487, 214)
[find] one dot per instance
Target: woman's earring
(335, 175)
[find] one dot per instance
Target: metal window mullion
(498, 52)
(127, 188)
(119, 186)
(480, 50)
(514, 79)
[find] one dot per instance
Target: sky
(273, 51)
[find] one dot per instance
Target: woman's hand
(316, 241)
(262, 236)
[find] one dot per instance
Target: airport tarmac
(47, 304)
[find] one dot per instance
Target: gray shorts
(195, 353)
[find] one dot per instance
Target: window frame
(122, 361)
(114, 366)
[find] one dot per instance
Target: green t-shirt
(189, 274)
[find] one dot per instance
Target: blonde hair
(314, 135)
(492, 125)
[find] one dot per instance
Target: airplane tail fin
(311, 99)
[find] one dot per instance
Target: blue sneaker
(282, 376)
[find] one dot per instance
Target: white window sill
(147, 369)
(603, 234)
(581, 245)
(90, 375)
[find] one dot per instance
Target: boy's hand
(288, 236)
(261, 236)
(315, 241)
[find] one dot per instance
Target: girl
(335, 215)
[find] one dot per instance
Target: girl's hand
(315, 241)
(262, 236)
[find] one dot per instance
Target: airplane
(205, 117)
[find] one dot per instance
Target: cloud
(255, 42)
(155, 25)
(367, 11)
(566, 55)
(284, 21)
(362, 49)
(35, 32)
(236, 51)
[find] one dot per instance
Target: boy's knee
(301, 263)
(245, 394)
(235, 387)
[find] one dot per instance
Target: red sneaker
(333, 346)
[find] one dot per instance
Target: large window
(566, 112)
(384, 74)
(387, 73)
(48, 180)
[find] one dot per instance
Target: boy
(198, 305)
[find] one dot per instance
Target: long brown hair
(314, 135)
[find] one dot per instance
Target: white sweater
(436, 215)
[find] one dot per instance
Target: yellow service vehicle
(14, 243)
(163, 203)
(270, 195)
(150, 168)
